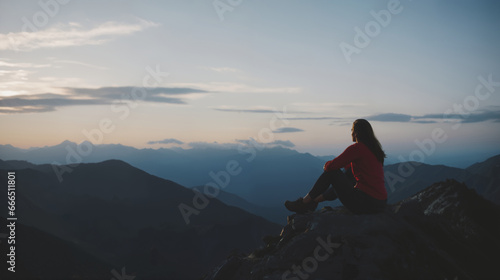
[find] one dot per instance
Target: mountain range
(113, 215)
(407, 178)
(269, 175)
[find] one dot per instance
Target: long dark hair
(364, 134)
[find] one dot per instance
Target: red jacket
(367, 170)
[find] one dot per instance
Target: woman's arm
(345, 158)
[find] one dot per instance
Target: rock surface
(446, 231)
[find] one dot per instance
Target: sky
(153, 74)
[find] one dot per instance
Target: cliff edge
(446, 231)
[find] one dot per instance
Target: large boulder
(446, 231)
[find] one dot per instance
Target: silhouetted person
(361, 188)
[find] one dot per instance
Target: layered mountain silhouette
(268, 174)
(261, 182)
(407, 178)
(446, 231)
(111, 215)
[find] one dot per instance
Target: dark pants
(342, 187)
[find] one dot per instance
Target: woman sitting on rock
(361, 188)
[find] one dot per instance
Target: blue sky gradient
(218, 71)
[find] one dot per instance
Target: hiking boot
(299, 207)
(294, 206)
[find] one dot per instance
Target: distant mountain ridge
(123, 216)
(272, 176)
(407, 178)
(262, 167)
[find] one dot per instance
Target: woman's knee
(333, 175)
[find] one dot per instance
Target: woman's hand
(326, 165)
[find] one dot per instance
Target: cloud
(488, 114)
(80, 64)
(226, 87)
(298, 111)
(213, 145)
(22, 64)
(287, 130)
(47, 102)
(40, 103)
(423, 121)
(284, 143)
(482, 117)
(284, 113)
(240, 142)
(157, 93)
(68, 35)
(252, 142)
(390, 117)
(166, 141)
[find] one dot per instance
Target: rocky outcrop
(446, 231)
